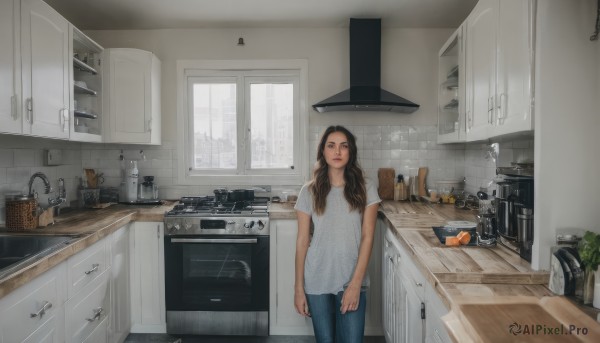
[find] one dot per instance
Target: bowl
(444, 231)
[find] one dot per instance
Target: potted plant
(589, 251)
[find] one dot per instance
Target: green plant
(589, 251)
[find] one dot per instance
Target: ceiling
(162, 14)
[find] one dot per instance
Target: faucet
(44, 178)
(61, 197)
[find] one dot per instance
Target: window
(242, 125)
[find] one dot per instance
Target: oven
(217, 273)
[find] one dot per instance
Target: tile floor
(165, 338)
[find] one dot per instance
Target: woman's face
(336, 151)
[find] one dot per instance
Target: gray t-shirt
(333, 250)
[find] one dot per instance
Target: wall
(21, 157)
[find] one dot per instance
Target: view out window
(242, 123)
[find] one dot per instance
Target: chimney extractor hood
(365, 93)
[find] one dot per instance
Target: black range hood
(365, 93)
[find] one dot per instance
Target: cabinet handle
(418, 284)
(97, 314)
(47, 305)
(391, 259)
(490, 108)
(94, 268)
(501, 109)
(63, 117)
(469, 120)
(13, 107)
(149, 127)
(29, 107)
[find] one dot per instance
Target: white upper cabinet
(132, 97)
(10, 120)
(513, 112)
(451, 89)
(499, 57)
(481, 68)
(45, 70)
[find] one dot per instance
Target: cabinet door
(514, 66)
(130, 95)
(30, 308)
(10, 121)
(148, 278)
(399, 319)
(284, 320)
(389, 286)
(480, 73)
(45, 62)
(119, 283)
(87, 310)
(414, 307)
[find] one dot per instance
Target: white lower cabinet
(147, 278)
(34, 312)
(284, 320)
(120, 284)
(88, 309)
(411, 308)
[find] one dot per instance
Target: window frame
(245, 70)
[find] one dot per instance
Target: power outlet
(52, 157)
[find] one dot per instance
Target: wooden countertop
(92, 225)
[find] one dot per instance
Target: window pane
(272, 125)
(215, 128)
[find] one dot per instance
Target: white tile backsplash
(400, 147)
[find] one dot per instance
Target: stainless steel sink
(20, 250)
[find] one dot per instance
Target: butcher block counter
(90, 226)
(475, 282)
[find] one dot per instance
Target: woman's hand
(350, 299)
(300, 303)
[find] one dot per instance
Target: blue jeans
(330, 325)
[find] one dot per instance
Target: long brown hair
(355, 191)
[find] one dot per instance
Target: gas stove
(203, 215)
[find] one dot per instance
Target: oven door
(217, 273)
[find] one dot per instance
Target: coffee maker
(514, 208)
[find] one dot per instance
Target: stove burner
(206, 205)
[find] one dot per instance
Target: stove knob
(176, 227)
(261, 225)
(249, 224)
(187, 225)
(169, 226)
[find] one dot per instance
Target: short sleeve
(372, 195)
(304, 202)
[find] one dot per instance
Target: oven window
(217, 274)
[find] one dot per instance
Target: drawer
(30, 307)
(407, 267)
(53, 331)
(88, 309)
(100, 333)
(86, 266)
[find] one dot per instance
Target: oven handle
(214, 240)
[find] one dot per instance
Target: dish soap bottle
(403, 190)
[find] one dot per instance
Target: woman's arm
(352, 292)
(302, 242)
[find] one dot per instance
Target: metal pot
(236, 195)
(220, 195)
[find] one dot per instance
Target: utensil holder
(21, 214)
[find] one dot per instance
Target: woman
(331, 267)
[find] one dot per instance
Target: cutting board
(523, 319)
(386, 178)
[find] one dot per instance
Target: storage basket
(21, 213)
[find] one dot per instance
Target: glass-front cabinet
(451, 90)
(86, 96)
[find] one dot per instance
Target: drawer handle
(47, 305)
(418, 284)
(97, 314)
(94, 268)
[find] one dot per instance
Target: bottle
(403, 189)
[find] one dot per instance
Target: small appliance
(130, 184)
(514, 208)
